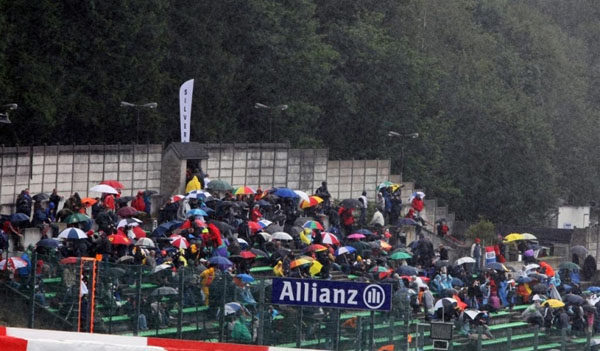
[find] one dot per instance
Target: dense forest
(504, 94)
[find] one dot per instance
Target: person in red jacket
(255, 215)
(347, 218)
(138, 203)
(109, 202)
(417, 203)
(212, 236)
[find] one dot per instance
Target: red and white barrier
(22, 339)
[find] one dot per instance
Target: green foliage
(484, 230)
(504, 94)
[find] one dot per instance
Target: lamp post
(403, 137)
(150, 105)
(258, 105)
(4, 115)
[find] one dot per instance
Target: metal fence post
(536, 337)
(479, 332)
(336, 341)
(359, 334)
(563, 339)
(299, 330)
(509, 339)
(588, 341)
(372, 330)
(32, 281)
(261, 313)
(222, 314)
(138, 301)
(180, 310)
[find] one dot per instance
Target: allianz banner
(332, 294)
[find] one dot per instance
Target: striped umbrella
(312, 202)
(72, 233)
(13, 263)
(344, 250)
(313, 225)
(244, 190)
(329, 238)
(180, 242)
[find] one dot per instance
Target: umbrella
(72, 233)
(258, 252)
(147, 242)
(13, 263)
(131, 222)
(457, 282)
(356, 236)
(232, 308)
(49, 243)
(19, 217)
(243, 243)
(246, 278)
(407, 270)
(247, 255)
(381, 244)
(529, 236)
(579, 251)
(329, 238)
(311, 202)
(125, 258)
(41, 197)
(513, 237)
(219, 185)
(385, 184)
(196, 194)
(254, 226)
(196, 212)
(523, 279)
(531, 266)
(300, 262)
(407, 221)
(344, 250)
(138, 232)
(264, 223)
(568, 266)
(244, 190)
(126, 211)
(414, 194)
(115, 184)
(265, 236)
(303, 196)
(164, 290)
(222, 262)
(364, 231)
(315, 248)
(539, 288)
(351, 203)
(118, 239)
(442, 263)
(176, 198)
(88, 201)
(312, 225)
(537, 276)
(554, 303)
(161, 267)
(284, 192)
(400, 255)
(274, 228)
(497, 266)
(166, 227)
(573, 299)
(180, 242)
(77, 218)
(124, 199)
(281, 236)
(472, 313)
(464, 260)
(103, 188)
(445, 303)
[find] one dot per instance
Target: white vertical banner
(185, 109)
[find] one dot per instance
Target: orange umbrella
(88, 201)
(316, 248)
(312, 202)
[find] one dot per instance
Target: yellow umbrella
(193, 184)
(299, 262)
(513, 237)
(554, 303)
(315, 268)
(396, 186)
(312, 201)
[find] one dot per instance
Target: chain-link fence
(125, 299)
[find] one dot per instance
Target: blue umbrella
(246, 278)
(19, 217)
(285, 192)
(594, 289)
(364, 231)
(164, 228)
(50, 243)
(457, 282)
(407, 221)
(407, 270)
(524, 279)
(344, 249)
(196, 212)
(222, 262)
(72, 233)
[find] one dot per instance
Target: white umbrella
(72, 233)
(281, 236)
(147, 242)
(132, 222)
(103, 188)
(242, 241)
(161, 267)
(413, 195)
(266, 236)
(464, 260)
(440, 303)
(472, 313)
(529, 236)
(304, 196)
(13, 263)
(531, 266)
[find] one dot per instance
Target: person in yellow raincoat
(305, 236)
(278, 269)
(193, 184)
(207, 277)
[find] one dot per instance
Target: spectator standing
(24, 202)
(363, 209)
(476, 253)
(324, 194)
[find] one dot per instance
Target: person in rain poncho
(207, 277)
(532, 314)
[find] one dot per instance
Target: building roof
(188, 151)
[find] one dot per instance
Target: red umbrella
(247, 254)
(139, 232)
(329, 238)
(115, 184)
(254, 226)
(316, 248)
(118, 239)
(180, 242)
(69, 260)
(127, 211)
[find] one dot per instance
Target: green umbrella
(400, 255)
(385, 184)
(219, 185)
(77, 218)
(568, 265)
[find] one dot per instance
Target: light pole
(6, 108)
(266, 107)
(137, 107)
(403, 137)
